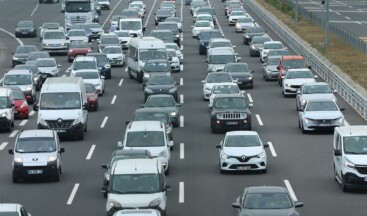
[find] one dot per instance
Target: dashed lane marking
(114, 99)
(182, 121)
(104, 121)
(181, 192)
(90, 153)
(14, 133)
(272, 150)
(290, 190)
(73, 193)
(23, 122)
(120, 83)
(182, 151)
(259, 120)
(3, 145)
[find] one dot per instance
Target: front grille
(234, 166)
(230, 116)
(361, 169)
(239, 158)
(60, 124)
(296, 86)
(78, 19)
(133, 34)
(160, 91)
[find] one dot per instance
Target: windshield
(18, 95)
(112, 50)
(238, 13)
(130, 25)
(204, 18)
(218, 78)
(237, 68)
(25, 24)
(272, 61)
(173, 19)
(299, 75)
(294, 63)
(145, 54)
(222, 59)
(35, 145)
(80, 65)
(122, 34)
(161, 80)
(145, 139)
(87, 75)
(163, 35)
(226, 89)
(173, 27)
(235, 102)
(172, 46)
(127, 156)
(110, 40)
(53, 35)
(273, 46)
(58, 101)
(355, 144)
(46, 63)
(3, 102)
(209, 35)
(34, 56)
(79, 44)
(321, 106)
(130, 13)
(255, 30)
(202, 24)
(244, 20)
(160, 102)
(221, 44)
(22, 79)
(151, 116)
(156, 67)
(260, 40)
(76, 33)
(72, 7)
(25, 49)
(163, 13)
(89, 88)
(135, 184)
(100, 58)
(267, 201)
(242, 141)
(317, 89)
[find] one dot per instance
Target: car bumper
(4, 123)
(319, 126)
(28, 95)
(232, 164)
(49, 170)
(21, 112)
(233, 124)
(354, 181)
(290, 91)
(245, 83)
(55, 49)
(203, 49)
(106, 72)
(73, 130)
(112, 211)
(271, 76)
(116, 61)
(19, 61)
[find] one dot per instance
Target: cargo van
(133, 25)
(217, 58)
(63, 106)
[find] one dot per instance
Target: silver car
(48, 67)
(309, 91)
(271, 71)
(54, 41)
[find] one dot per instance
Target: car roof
(137, 166)
(160, 95)
(266, 189)
(8, 207)
(157, 60)
(145, 126)
(273, 42)
(316, 83)
(129, 152)
(84, 58)
(293, 57)
(17, 71)
(230, 133)
(298, 69)
(353, 130)
(36, 133)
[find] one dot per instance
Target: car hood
(157, 87)
(210, 85)
(24, 28)
(134, 200)
(268, 212)
(328, 96)
(35, 159)
(46, 69)
(357, 159)
(54, 41)
(93, 81)
(67, 114)
(239, 151)
(21, 55)
(200, 28)
(299, 81)
(319, 115)
(240, 74)
(217, 67)
(113, 55)
(272, 68)
(78, 38)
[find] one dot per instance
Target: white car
(224, 88)
(244, 22)
(205, 17)
(220, 42)
(115, 55)
(48, 67)
(242, 151)
(175, 20)
(139, 6)
(13, 209)
(213, 79)
(295, 78)
(270, 45)
(77, 35)
(199, 26)
(91, 76)
(175, 47)
(319, 90)
(124, 38)
(104, 4)
(174, 60)
(232, 19)
(49, 25)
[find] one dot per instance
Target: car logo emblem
(78, 18)
(35, 159)
(243, 157)
(160, 89)
(59, 121)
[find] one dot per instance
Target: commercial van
(141, 50)
(350, 156)
(218, 57)
(63, 106)
(133, 25)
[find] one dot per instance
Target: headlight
(341, 120)
(146, 75)
(24, 104)
(107, 175)
(172, 90)
(303, 102)
(77, 120)
(247, 36)
(71, 51)
(45, 45)
(29, 88)
(35, 79)
(238, 25)
(219, 115)
(119, 58)
(287, 85)
(107, 66)
(149, 91)
(253, 47)
(262, 155)
(243, 115)
(115, 204)
(43, 122)
(15, 58)
(249, 78)
(173, 114)
(334, 100)
(52, 158)
(169, 129)
(224, 156)
(155, 203)
(18, 159)
(162, 154)
(63, 44)
(4, 114)
(349, 164)
(265, 52)
(309, 121)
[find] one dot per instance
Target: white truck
(79, 11)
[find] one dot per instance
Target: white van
(141, 50)
(136, 184)
(350, 156)
(133, 25)
(6, 109)
(217, 58)
(63, 106)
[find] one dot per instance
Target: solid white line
(250, 98)
(3, 145)
(338, 13)
(181, 191)
(259, 120)
(150, 12)
(32, 113)
(35, 9)
(108, 18)
(114, 99)
(19, 41)
(181, 67)
(272, 150)
(104, 121)
(90, 153)
(120, 83)
(290, 190)
(181, 99)
(23, 122)
(14, 133)
(126, 69)
(347, 18)
(73, 193)
(181, 121)
(182, 151)
(181, 47)
(350, 6)
(181, 81)
(359, 23)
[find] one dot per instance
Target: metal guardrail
(354, 94)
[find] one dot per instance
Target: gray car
(48, 67)
(309, 91)
(54, 41)
(266, 200)
(271, 71)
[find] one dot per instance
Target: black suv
(230, 112)
(205, 37)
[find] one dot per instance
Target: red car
(20, 103)
(92, 96)
(78, 48)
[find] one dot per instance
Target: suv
(6, 109)
(137, 184)
(149, 135)
(37, 153)
(54, 41)
(24, 80)
(230, 112)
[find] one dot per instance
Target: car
(230, 112)
(199, 26)
(290, 62)
(176, 20)
(174, 60)
(220, 42)
(256, 45)
(24, 80)
(196, 5)
(232, 19)
(218, 57)
(21, 54)
(49, 25)
(241, 73)
(213, 79)
(122, 154)
(318, 90)
(33, 56)
(205, 17)
(91, 76)
(277, 52)
(271, 71)
(83, 62)
(20, 103)
(242, 151)
(224, 88)
(110, 39)
(37, 79)
(77, 48)
(205, 37)
(115, 55)
(155, 66)
(13, 209)
(266, 201)
(172, 26)
(7, 109)
(77, 35)
(229, 5)
(161, 15)
(138, 212)
(25, 28)
(270, 45)
(165, 35)
(243, 23)
(124, 38)
(104, 4)
(166, 102)
(232, 8)
(131, 13)
(320, 114)
(92, 96)
(169, 7)
(93, 30)
(48, 67)
(103, 64)
(54, 41)
(161, 84)
(205, 10)
(175, 47)
(138, 6)
(294, 79)
(251, 32)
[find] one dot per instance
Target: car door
(338, 160)
(298, 97)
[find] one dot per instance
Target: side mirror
(236, 206)
(62, 150)
(251, 105)
(144, 28)
(59, 65)
(218, 146)
(337, 152)
(167, 188)
(278, 67)
(266, 145)
(192, 26)
(35, 107)
(142, 105)
(202, 81)
(104, 189)
(67, 37)
(127, 122)
(86, 106)
(235, 81)
(104, 166)
(178, 105)
(342, 109)
(103, 77)
(11, 151)
(170, 143)
(238, 59)
(234, 46)
(298, 204)
(298, 91)
(119, 144)
(335, 91)
(315, 76)
(286, 48)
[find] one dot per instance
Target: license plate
(34, 172)
(244, 168)
(44, 75)
(60, 131)
(324, 125)
(24, 32)
(232, 123)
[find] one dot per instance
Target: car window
(224, 103)
(145, 139)
(18, 79)
(3, 102)
(79, 65)
(160, 102)
(242, 141)
(267, 201)
(135, 183)
(35, 145)
(355, 145)
(316, 89)
(321, 106)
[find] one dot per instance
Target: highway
(301, 162)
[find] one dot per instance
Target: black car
(161, 84)
(21, 54)
(173, 27)
(252, 31)
(165, 35)
(205, 37)
(230, 112)
(155, 66)
(256, 45)
(47, 1)
(25, 29)
(37, 80)
(161, 15)
(103, 64)
(241, 73)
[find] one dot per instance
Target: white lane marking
(250, 98)
(182, 121)
(181, 192)
(32, 113)
(181, 38)
(3, 145)
(181, 47)
(272, 150)
(114, 99)
(73, 193)
(126, 69)
(90, 153)
(347, 17)
(182, 56)
(181, 81)
(358, 22)
(182, 151)
(150, 12)
(338, 13)
(14, 133)
(23, 122)
(35, 9)
(181, 99)
(64, 75)
(181, 67)
(120, 83)
(108, 18)
(350, 6)
(19, 41)
(290, 190)
(346, 123)
(181, 8)
(104, 121)
(259, 120)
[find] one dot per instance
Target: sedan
(108, 40)
(48, 67)
(293, 80)
(266, 201)
(232, 19)
(270, 45)
(20, 55)
(243, 23)
(49, 25)
(241, 73)
(103, 64)
(33, 56)
(115, 55)
(20, 103)
(78, 48)
(176, 20)
(91, 76)
(175, 47)
(309, 91)
(199, 27)
(13, 209)
(37, 80)
(25, 28)
(174, 60)
(166, 102)
(224, 88)
(251, 32)
(320, 114)
(77, 35)
(92, 96)
(213, 79)
(242, 151)
(124, 38)
(271, 71)
(161, 84)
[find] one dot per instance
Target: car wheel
(12, 124)
(167, 171)
(9, 128)
(86, 128)
(214, 130)
(130, 75)
(105, 194)
(70, 60)
(303, 129)
(342, 182)
(57, 176)
(297, 107)
(15, 179)
(246, 42)
(95, 107)
(81, 135)
(251, 55)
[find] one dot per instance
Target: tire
(344, 187)
(105, 194)
(86, 128)
(264, 170)
(81, 135)
(12, 124)
(167, 171)
(96, 107)
(214, 131)
(70, 60)
(15, 179)
(57, 176)
(9, 128)
(140, 78)
(129, 73)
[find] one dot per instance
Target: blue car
(205, 37)
(103, 64)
